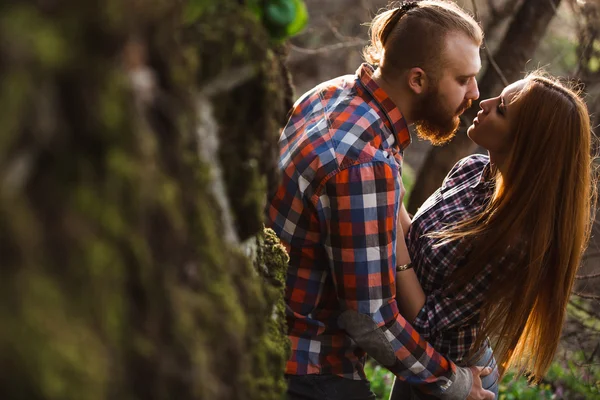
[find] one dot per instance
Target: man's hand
(477, 390)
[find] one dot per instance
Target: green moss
(272, 350)
(256, 105)
(112, 108)
(15, 96)
(64, 371)
(117, 281)
(30, 31)
(106, 269)
(194, 9)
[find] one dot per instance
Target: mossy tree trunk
(138, 141)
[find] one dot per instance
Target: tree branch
(553, 5)
(488, 53)
(589, 276)
(586, 295)
(328, 48)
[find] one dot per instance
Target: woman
(496, 248)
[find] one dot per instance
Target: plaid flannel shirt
(336, 211)
(450, 320)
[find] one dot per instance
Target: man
(337, 207)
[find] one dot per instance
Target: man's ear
(417, 80)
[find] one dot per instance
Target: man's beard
(434, 122)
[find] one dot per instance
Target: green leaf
(300, 20)
(280, 12)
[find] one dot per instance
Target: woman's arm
(404, 219)
(409, 294)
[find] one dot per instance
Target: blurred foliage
(573, 379)
(194, 9)
(381, 379)
(282, 18)
(519, 389)
(564, 52)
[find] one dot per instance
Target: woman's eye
(500, 109)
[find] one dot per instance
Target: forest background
(138, 143)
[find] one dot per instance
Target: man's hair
(413, 34)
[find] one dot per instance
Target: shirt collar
(485, 178)
(393, 114)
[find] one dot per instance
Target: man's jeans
(327, 387)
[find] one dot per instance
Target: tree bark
(137, 146)
(521, 40)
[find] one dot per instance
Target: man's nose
(473, 92)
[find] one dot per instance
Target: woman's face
(492, 128)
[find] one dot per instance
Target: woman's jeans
(403, 391)
(327, 387)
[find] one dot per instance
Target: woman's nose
(485, 105)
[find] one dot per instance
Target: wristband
(400, 268)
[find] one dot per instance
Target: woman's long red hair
(544, 203)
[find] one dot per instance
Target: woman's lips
(476, 120)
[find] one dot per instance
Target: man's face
(439, 109)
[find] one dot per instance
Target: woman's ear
(417, 80)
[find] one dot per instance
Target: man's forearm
(400, 349)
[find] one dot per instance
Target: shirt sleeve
(359, 208)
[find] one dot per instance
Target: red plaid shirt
(336, 211)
